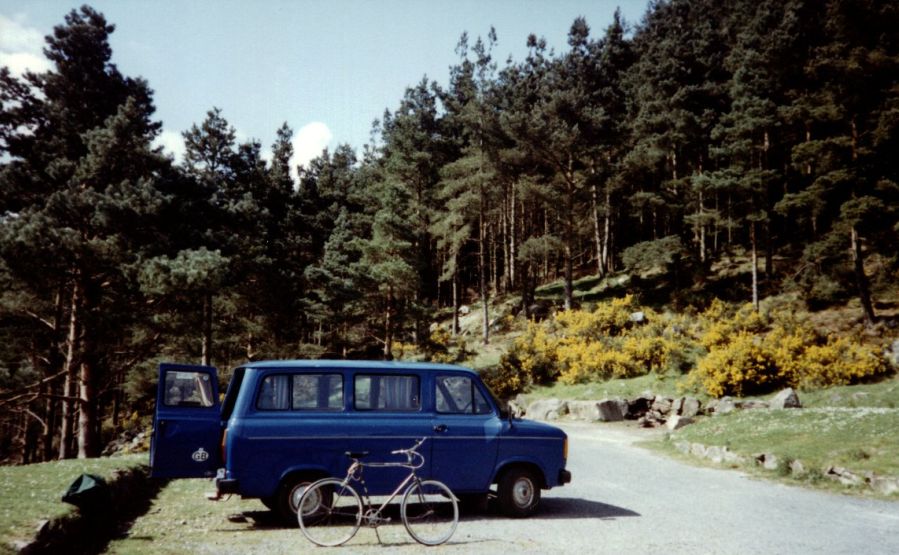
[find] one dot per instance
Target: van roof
(358, 364)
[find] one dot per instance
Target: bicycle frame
(355, 471)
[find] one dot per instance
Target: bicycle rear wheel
(329, 512)
(430, 512)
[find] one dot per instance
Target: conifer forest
(765, 129)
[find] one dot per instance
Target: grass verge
(32, 493)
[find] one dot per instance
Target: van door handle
(440, 428)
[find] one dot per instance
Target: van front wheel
(519, 493)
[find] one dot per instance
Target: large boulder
(677, 421)
(583, 410)
(662, 405)
(724, 405)
(639, 406)
(785, 399)
(688, 407)
(547, 409)
(612, 410)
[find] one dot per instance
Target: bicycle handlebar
(410, 450)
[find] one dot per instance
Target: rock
(518, 411)
(892, 354)
(724, 405)
(715, 454)
(639, 406)
(683, 447)
(583, 410)
(844, 476)
(611, 410)
(464, 310)
(786, 399)
(677, 422)
(689, 407)
(638, 317)
(751, 405)
(797, 468)
(885, 486)
(733, 458)
(767, 460)
(547, 409)
(662, 405)
(698, 450)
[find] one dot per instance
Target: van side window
(274, 393)
(459, 395)
(318, 391)
(301, 392)
(387, 392)
(187, 389)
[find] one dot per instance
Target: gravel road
(626, 499)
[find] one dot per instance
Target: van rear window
(387, 392)
(301, 392)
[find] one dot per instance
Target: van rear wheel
(288, 498)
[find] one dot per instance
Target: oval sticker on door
(199, 455)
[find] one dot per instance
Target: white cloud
(172, 143)
(308, 143)
(21, 47)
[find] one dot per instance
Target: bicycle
(330, 511)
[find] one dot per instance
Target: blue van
(284, 424)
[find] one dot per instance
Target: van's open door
(187, 424)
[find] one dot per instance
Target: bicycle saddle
(356, 454)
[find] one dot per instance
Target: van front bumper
(564, 477)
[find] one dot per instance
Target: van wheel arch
(289, 491)
(518, 489)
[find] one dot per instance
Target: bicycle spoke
(429, 512)
(329, 513)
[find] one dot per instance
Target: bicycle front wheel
(430, 512)
(329, 512)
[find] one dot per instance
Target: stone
(690, 407)
(768, 461)
(885, 486)
(639, 406)
(610, 410)
(844, 476)
(662, 405)
(547, 409)
(892, 354)
(786, 399)
(698, 450)
(725, 405)
(464, 310)
(797, 468)
(715, 454)
(683, 447)
(751, 404)
(515, 409)
(638, 317)
(733, 458)
(677, 422)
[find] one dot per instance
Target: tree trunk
(207, 330)
(597, 235)
(861, 280)
(388, 326)
(70, 366)
(455, 330)
(755, 267)
(87, 415)
(482, 267)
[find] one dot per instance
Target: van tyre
(519, 493)
(288, 496)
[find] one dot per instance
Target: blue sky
(327, 68)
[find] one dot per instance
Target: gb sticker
(199, 455)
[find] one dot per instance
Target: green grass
(32, 493)
(860, 439)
